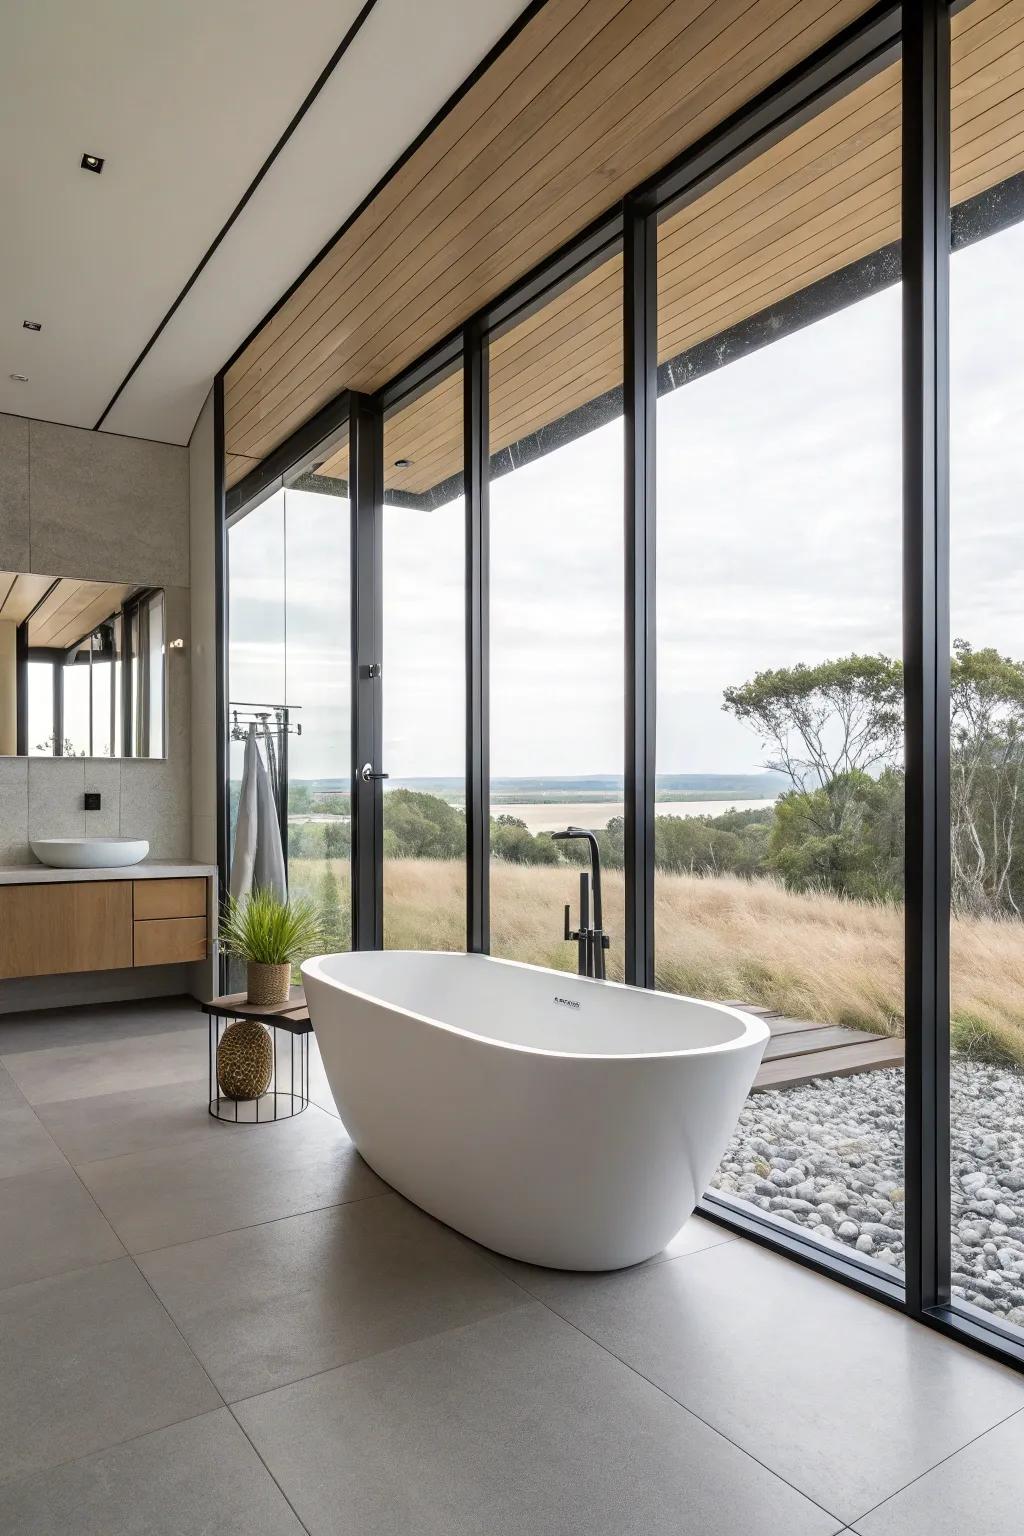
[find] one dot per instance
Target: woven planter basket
(245, 1060)
(267, 985)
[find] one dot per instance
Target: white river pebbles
(828, 1156)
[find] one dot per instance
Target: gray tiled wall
(102, 507)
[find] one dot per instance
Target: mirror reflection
(82, 668)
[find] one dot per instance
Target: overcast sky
(778, 541)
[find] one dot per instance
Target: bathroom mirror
(82, 668)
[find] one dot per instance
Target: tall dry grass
(811, 956)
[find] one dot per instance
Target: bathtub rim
(754, 1030)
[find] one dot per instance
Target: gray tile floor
(209, 1328)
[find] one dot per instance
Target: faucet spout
(592, 941)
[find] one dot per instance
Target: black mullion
(640, 400)
(366, 494)
(220, 558)
(926, 231)
(475, 417)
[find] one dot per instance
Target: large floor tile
(89, 1359)
(101, 1051)
(981, 1488)
(197, 1477)
(25, 1145)
(517, 1426)
(841, 1396)
(41, 1029)
(274, 1303)
(11, 1096)
(695, 1236)
(139, 1120)
(49, 1224)
(250, 1174)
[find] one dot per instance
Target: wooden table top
(292, 1015)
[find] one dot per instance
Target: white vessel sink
(89, 852)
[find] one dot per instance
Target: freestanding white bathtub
(562, 1121)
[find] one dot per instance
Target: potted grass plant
(270, 935)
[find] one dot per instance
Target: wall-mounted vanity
(58, 921)
(84, 676)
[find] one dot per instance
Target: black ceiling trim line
(311, 96)
(507, 37)
(72, 426)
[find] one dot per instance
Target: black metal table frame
(297, 1102)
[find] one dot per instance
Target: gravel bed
(828, 1156)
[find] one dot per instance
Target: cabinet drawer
(170, 898)
(170, 940)
(52, 930)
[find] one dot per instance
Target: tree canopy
(819, 722)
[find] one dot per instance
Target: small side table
(291, 1019)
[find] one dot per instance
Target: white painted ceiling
(185, 101)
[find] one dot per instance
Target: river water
(550, 816)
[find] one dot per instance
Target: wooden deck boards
(800, 1050)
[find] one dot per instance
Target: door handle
(368, 775)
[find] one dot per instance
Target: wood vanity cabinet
(52, 928)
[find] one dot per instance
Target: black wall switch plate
(92, 800)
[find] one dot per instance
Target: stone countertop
(149, 869)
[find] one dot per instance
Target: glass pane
(40, 709)
(102, 713)
(779, 826)
(556, 527)
(289, 620)
(256, 626)
(424, 667)
(987, 629)
(155, 676)
(76, 709)
(317, 657)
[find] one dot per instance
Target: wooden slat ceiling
(64, 615)
(78, 607)
(825, 196)
(73, 610)
(19, 594)
(588, 100)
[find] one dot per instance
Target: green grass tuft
(268, 931)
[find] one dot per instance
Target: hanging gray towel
(258, 858)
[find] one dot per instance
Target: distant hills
(586, 787)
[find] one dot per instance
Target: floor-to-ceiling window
(423, 666)
(987, 668)
(289, 604)
(781, 779)
(556, 593)
(779, 798)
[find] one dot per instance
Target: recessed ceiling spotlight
(92, 163)
(31, 325)
(19, 378)
(403, 463)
